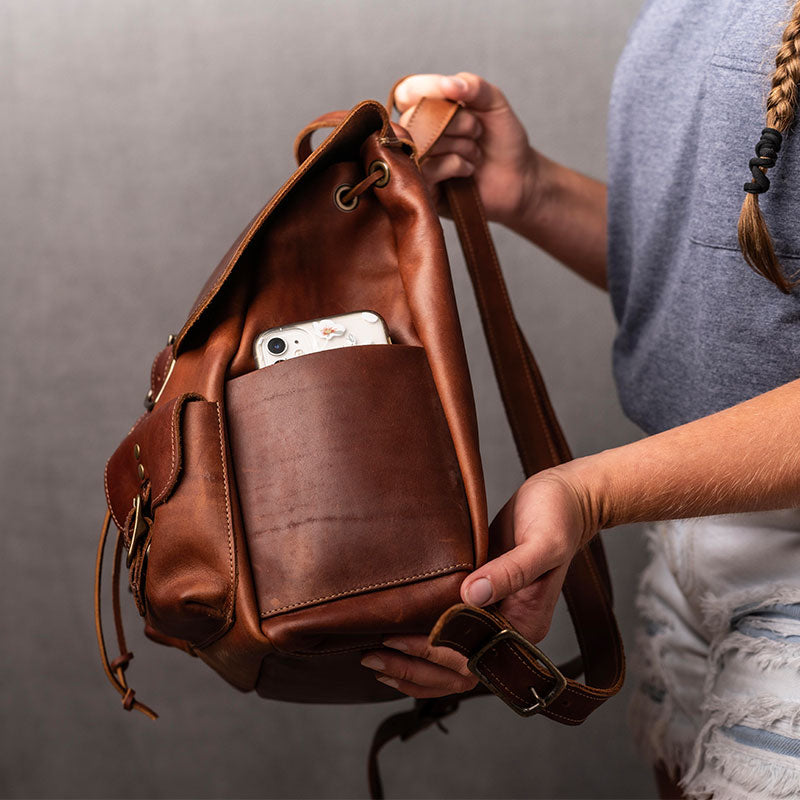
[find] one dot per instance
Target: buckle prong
(540, 703)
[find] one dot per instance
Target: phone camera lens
(276, 346)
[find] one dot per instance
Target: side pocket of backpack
(173, 466)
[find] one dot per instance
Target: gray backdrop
(137, 140)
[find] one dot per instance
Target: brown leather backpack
(278, 522)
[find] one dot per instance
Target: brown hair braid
(754, 238)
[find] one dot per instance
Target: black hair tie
(767, 149)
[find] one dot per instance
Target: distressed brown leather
(294, 516)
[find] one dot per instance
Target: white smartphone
(328, 333)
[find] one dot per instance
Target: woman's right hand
(484, 139)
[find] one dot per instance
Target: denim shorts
(717, 660)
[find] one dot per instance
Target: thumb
(503, 576)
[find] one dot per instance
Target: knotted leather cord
(115, 670)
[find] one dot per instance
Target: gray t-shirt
(698, 330)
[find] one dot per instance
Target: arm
(556, 208)
(745, 458)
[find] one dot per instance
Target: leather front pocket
(347, 476)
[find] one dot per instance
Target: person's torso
(698, 330)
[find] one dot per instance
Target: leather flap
(157, 435)
(365, 118)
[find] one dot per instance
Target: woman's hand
(484, 139)
(558, 209)
(533, 540)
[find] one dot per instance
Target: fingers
(530, 610)
(415, 87)
(411, 665)
(420, 647)
(512, 571)
(441, 168)
(546, 521)
(463, 123)
(466, 87)
(456, 154)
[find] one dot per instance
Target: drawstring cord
(361, 187)
(115, 670)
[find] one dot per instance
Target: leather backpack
(278, 522)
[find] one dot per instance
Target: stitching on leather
(574, 692)
(176, 411)
(572, 720)
(454, 207)
(422, 150)
(153, 372)
(229, 604)
(395, 581)
(598, 586)
(509, 690)
(526, 368)
(334, 650)
(475, 617)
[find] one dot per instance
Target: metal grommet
(339, 193)
(380, 166)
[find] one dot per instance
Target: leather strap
(515, 668)
(302, 142)
(115, 670)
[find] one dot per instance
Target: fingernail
(480, 592)
(373, 662)
(396, 644)
(456, 83)
(388, 681)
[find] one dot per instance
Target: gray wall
(137, 139)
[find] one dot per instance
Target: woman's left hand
(532, 542)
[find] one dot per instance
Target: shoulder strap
(482, 634)
(505, 662)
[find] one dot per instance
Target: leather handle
(302, 142)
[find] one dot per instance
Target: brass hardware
(138, 529)
(140, 470)
(137, 451)
(380, 166)
(150, 399)
(339, 193)
(539, 703)
(164, 384)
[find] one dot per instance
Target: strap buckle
(540, 703)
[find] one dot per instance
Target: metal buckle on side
(540, 703)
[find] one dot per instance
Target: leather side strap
(115, 670)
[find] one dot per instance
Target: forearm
(746, 458)
(565, 215)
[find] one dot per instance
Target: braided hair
(754, 237)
